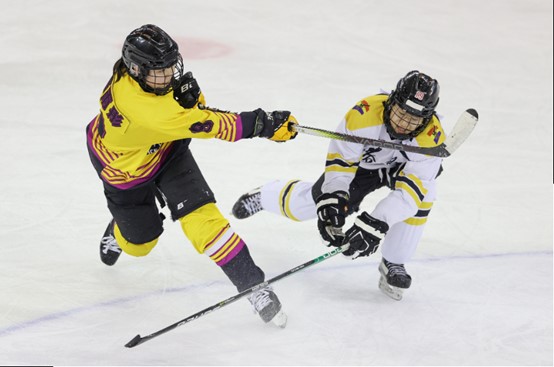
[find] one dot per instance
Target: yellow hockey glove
(283, 131)
(270, 125)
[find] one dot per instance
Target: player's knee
(133, 249)
(210, 233)
(203, 226)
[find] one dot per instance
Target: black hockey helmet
(150, 48)
(417, 94)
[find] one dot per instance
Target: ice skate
(394, 279)
(248, 204)
(109, 249)
(268, 307)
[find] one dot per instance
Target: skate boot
(109, 249)
(268, 307)
(394, 279)
(248, 204)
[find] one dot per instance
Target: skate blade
(393, 292)
(280, 320)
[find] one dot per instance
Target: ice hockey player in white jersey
(352, 171)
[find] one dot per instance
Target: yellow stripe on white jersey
(284, 200)
(421, 216)
(336, 163)
(412, 186)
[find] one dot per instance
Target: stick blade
(134, 342)
(463, 128)
(473, 113)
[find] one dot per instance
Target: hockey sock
(242, 271)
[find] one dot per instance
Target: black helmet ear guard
(150, 48)
(416, 93)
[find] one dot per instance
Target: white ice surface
(482, 289)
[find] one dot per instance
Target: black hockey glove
(365, 236)
(331, 211)
(187, 91)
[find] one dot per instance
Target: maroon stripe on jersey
(155, 158)
(90, 137)
(137, 180)
(232, 254)
(234, 135)
(114, 174)
(94, 141)
(225, 123)
(238, 126)
(219, 128)
(216, 237)
(101, 149)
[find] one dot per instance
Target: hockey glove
(187, 91)
(365, 236)
(274, 125)
(331, 211)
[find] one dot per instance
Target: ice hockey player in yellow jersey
(352, 171)
(139, 144)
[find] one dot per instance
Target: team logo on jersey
(433, 131)
(362, 107)
(419, 95)
(369, 155)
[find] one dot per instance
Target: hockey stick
(464, 126)
(141, 339)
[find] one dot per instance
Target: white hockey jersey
(414, 183)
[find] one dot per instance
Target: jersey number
(202, 127)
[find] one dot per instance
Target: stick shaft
(461, 131)
(139, 340)
(437, 151)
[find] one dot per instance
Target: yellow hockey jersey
(135, 131)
